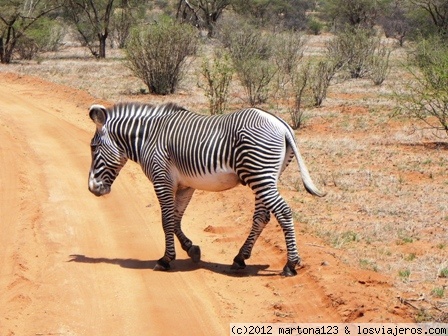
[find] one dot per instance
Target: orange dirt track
(75, 264)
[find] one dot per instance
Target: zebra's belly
(217, 181)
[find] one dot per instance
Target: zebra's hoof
(194, 252)
(238, 263)
(289, 271)
(162, 265)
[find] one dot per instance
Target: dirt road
(74, 264)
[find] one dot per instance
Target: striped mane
(143, 109)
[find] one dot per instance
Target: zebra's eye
(93, 147)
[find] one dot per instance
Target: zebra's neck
(132, 125)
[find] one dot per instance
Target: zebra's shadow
(179, 265)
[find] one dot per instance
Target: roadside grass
(387, 202)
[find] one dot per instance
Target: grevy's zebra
(181, 151)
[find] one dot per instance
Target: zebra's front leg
(260, 219)
(165, 195)
(183, 197)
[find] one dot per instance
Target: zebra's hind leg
(260, 219)
(282, 212)
(183, 197)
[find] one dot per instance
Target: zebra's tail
(306, 178)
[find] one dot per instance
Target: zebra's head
(107, 157)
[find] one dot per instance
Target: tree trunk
(1, 50)
(6, 51)
(102, 51)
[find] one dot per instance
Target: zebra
(181, 151)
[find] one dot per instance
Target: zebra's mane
(124, 109)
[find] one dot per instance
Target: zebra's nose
(98, 188)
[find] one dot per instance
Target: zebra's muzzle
(98, 188)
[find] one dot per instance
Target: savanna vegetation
(348, 67)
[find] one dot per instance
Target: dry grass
(387, 202)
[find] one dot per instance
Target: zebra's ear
(98, 114)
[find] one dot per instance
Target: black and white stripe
(181, 151)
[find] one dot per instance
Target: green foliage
(356, 13)
(345, 238)
(315, 26)
(443, 272)
(438, 292)
(45, 35)
(404, 274)
(157, 54)
(427, 97)
(429, 17)
(16, 19)
(217, 75)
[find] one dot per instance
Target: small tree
(379, 64)
(45, 35)
(395, 22)
(437, 12)
(16, 18)
(251, 52)
(300, 86)
(217, 75)
(202, 13)
(288, 49)
(355, 13)
(321, 75)
(352, 50)
(427, 97)
(157, 54)
(92, 20)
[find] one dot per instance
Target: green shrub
(251, 52)
(45, 35)
(352, 50)
(438, 292)
(300, 87)
(444, 272)
(157, 54)
(217, 75)
(379, 64)
(321, 75)
(426, 98)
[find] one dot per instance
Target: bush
(427, 97)
(321, 75)
(315, 26)
(157, 54)
(45, 35)
(352, 49)
(26, 48)
(217, 75)
(251, 52)
(379, 64)
(360, 53)
(300, 87)
(288, 50)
